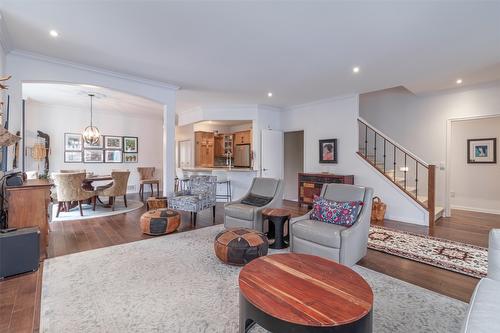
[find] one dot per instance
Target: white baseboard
(476, 209)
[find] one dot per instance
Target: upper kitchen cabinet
(204, 151)
(243, 137)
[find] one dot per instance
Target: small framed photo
(130, 144)
(113, 156)
(130, 158)
(72, 157)
(328, 151)
(93, 156)
(73, 142)
(113, 142)
(482, 150)
(98, 145)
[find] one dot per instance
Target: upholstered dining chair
(69, 189)
(53, 191)
(345, 245)
(200, 196)
(247, 211)
(146, 176)
(117, 188)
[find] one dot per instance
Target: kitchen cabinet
(204, 149)
(219, 145)
(243, 137)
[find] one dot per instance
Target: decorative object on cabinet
(130, 157)
(130, 144)
(93, 156)
(482, 151)
(73, 157)
(310, 184)
(28, 205)
(328, 151)
(46, 138)
(73, 142)
(113, 156)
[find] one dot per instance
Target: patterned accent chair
(243, 214)
(341, 244)
(199, 196)
(69, 189)
(116, 188)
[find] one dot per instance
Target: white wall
(35, 68)
(419, 123)
(337, 118)
(293, 163)
(55, 120)
(475, 186)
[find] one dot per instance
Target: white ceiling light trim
(53, 33)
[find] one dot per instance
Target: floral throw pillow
(343, 213)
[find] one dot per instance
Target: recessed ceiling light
(269, 94)
(355, 69)
(53, 33)
(459, 81)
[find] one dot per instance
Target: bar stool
(222, 179)
(182, 181)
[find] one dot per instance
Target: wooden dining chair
(146, 176)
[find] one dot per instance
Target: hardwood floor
(20, 296)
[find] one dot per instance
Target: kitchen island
(241, 178)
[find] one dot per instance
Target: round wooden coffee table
(278, 217)
(293, 292)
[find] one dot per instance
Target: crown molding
(58, 61)
(321, 101)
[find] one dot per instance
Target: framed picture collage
(109, 149)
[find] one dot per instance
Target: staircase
(409, 173)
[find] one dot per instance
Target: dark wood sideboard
(28, 207)
(310, 184)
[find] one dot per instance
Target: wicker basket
(156, 203)
(378, 209)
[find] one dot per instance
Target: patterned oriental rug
(454, 256)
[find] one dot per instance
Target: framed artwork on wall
(98, 145)
(328, 151)
(73, 142)
(130, 144)
(482, 150)
(93, 156)
(113, 156)
(130, 157)
(113, 142)
(72, 157)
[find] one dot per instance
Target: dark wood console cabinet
(310, 184)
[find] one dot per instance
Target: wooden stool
(160, 222)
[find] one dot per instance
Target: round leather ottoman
(160, 222)
(239, 246)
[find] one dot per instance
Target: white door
(272, 154)
(185, 154)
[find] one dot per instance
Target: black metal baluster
(385, 141)
(366, 141)
(394, 156)
(375, 151)
(416, 179)
(405, 170)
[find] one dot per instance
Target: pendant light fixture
(91, 133)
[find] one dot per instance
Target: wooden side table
(278, 217)
(291, 292)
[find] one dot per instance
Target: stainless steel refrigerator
(242, 156)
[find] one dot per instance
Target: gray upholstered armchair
(344, 245)
(200, 196)
(247, 211)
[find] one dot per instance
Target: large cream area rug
(176, 284)
(454, 256)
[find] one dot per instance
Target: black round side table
(278, 217)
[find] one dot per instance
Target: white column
(168, 147)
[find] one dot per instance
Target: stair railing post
(431, 195)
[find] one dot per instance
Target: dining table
(87, 184)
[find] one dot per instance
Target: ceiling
(235, 52)
(76, 96)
